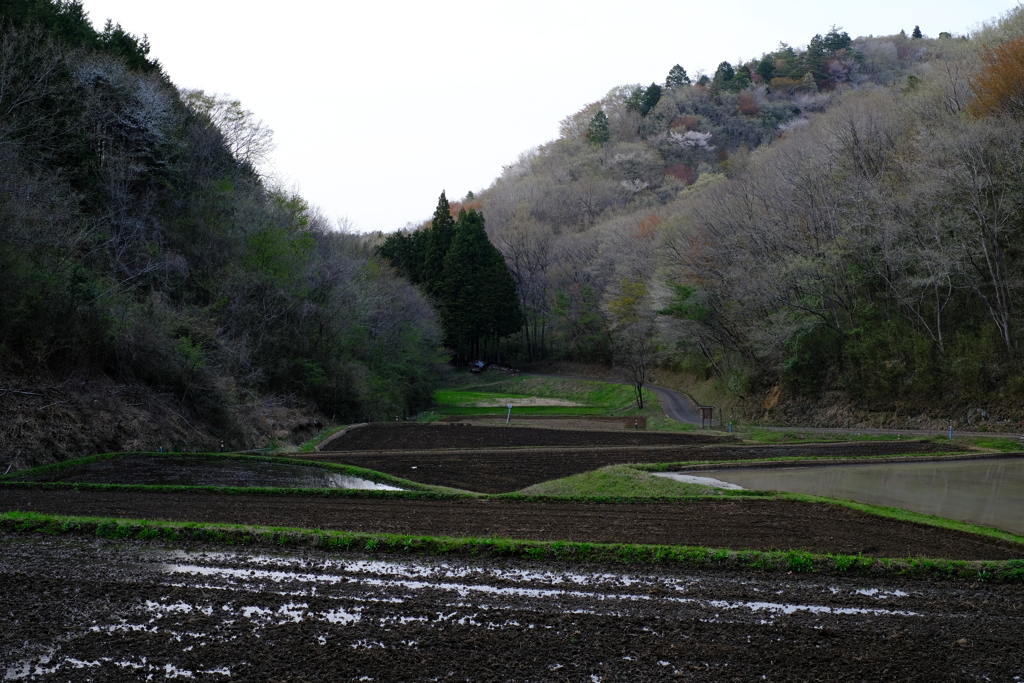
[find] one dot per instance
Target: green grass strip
(810, 459)
(239, 490)
(685, 557)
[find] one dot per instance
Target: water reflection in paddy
(989, 492)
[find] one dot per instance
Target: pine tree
(788, 62)
(917, 33)
(651, 98)
(597, 131)
(741, 80)
(676, 77)
(835, 40)
(723, 77)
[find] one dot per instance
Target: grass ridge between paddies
(618, 484)
(635, 483)
(684, 557)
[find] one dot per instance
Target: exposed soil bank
(755, 525)
(138, 610)
(44, 420)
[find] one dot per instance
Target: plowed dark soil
(483, 466)
(757, 525)
(92, 610)
(388, 437)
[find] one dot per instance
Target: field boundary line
(564, 552)
(338, 434)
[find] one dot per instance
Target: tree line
(457, 267)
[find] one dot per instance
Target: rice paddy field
(467, 549)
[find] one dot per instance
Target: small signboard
(707, 414)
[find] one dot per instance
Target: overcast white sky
(378, 106)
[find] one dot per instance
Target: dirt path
(97, 610)
(757, 525)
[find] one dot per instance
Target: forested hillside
(142, 251)
(843, 219)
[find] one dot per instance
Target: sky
(378, 106)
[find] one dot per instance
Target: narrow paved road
(682, 408)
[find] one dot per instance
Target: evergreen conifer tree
(439, 239)
(477, 298)
(917, 33)
(723, 77)
(406, 252)
(650, 100)
(597, 131)
(677, 76)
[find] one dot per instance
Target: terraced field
(77, 604)
(498, 459)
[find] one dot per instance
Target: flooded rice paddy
(192, 471)
(989, 492)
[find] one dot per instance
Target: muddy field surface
(177, 470)
(388, 437)
(756, 525)
(92, 610)
(490, 470)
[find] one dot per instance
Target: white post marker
(509, 418)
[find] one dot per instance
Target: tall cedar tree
(439, 240)
(478, 300)
(419, 256)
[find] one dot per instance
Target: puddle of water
(703, 481)
(34, 667)
(464, 589)
(986, 492)
(186, 471)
